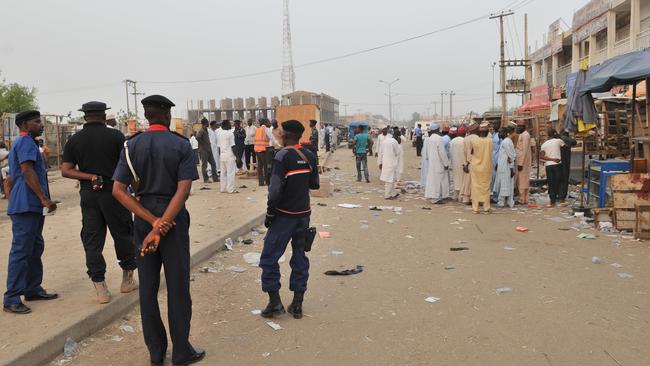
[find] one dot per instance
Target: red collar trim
(24, 134)
(157, 127)
(297, 146)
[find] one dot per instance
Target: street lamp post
(493, 65)
(390, 98)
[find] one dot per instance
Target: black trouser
(327, 142)
(564, 182)
(239, 153)
(250, 156)
(173, 255)
(418, 145)
(553, 177)
(196, 156)
(207, 157)
(98, 210)
(263, 171)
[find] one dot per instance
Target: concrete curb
(52, 346)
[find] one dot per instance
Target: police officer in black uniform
(160, 167)
(90, 156)
(287, 217)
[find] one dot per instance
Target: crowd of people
(473, 163)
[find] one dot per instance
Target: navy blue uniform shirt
(291, 180)
(161, 159)
(22, 199)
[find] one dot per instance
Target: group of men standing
(479, 164)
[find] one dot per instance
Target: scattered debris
(478, 228)
(347, 272)
(624, 275)
(458, 249)
(449, 268)
(256, 312)
(324, 234)
(229, 244)
(390, 221)
(274, 325)
(616, 265)
(116, 338)
(348, 205)
(70, 347)
(509, 248)
(522, 229)
(266, 354)
(248, 241)
(364, 227)
(426, 208)
(321, 204)
(208, 270)
(127, 328)
(409, 237)
(596, 260)
(432, 299)
(586, 236)
(504, 290)
(336, 252)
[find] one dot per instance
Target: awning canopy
(534, 105)
(539, 99)
(625, 69)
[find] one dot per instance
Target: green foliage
(415, 117)
(16, 98)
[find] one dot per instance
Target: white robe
(456, 156)
(504, 184)
(214, 145)
(380, 140)
(390, 157)
(424, 167)
(437, 162)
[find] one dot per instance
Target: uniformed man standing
(205, 153)
(90, 156)
(159, 165)
(28, 202)
(294, 173)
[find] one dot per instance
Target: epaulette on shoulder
(134, 135)
(179, 135)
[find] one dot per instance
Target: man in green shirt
(362, 145)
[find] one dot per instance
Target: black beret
(26, 116)
(157, 101)
(204, 121)
(293, 127)
(94, 107)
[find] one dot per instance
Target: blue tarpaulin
(621, 70)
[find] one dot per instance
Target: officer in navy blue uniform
(287, 217)
(28, 202)
(160, 167)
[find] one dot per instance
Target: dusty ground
(213, 214)
(563, 309)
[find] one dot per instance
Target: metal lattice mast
(288, 75)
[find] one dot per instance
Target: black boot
(274, 307)
(295, 308)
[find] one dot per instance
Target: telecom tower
(288, 75)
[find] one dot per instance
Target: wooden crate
(642, 226)
(629, 190)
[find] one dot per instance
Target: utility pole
(493, 65)
(442, 105)
(345, 106)
(435, 107)
(126, 86)
(502, 63)
(390, 98)
(451, 97)
(528, 74)
(135, 97)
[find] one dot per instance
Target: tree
(415, 117)
(15, 98)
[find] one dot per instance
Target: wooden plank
(630, 182)
(625, 215)
(628, 200)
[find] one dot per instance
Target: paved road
(563, 310)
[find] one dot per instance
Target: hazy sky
(73, 51)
